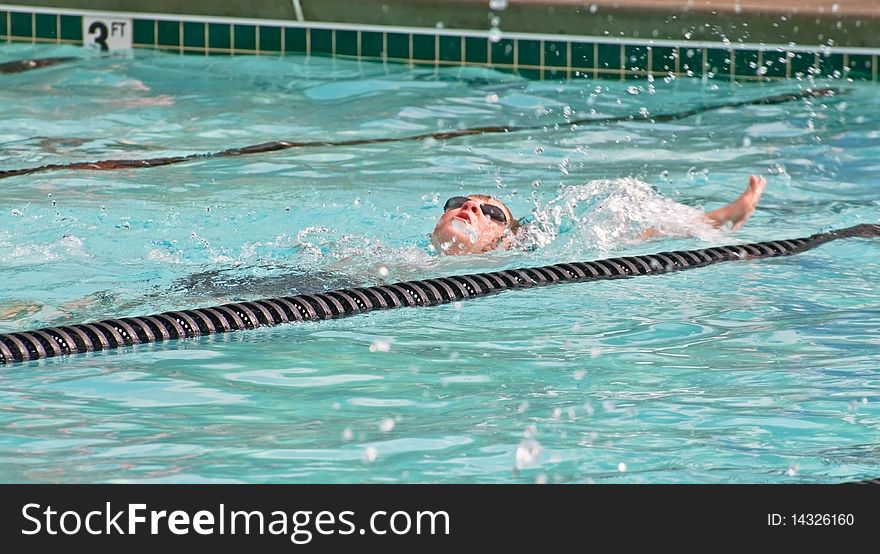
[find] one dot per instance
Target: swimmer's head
(472, 224)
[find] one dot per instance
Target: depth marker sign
(107, 33)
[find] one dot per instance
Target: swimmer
(479, 223)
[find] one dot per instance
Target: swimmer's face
(471, 225)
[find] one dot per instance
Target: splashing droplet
(369, 455)
(563, 167)
(386, 425)
(527, 453)
(380, 345)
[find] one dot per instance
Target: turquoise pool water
(762, 371)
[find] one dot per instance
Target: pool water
(760, 371)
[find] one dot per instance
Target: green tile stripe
(550, 58)
(37, 28)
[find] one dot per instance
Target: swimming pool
(760, 371)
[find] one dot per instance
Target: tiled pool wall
(533, 55)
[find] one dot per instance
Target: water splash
(359, 257)
(605, 214)
(14, 252)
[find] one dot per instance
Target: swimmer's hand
(735, 214)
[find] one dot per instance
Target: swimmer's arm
(18, 309)
(650, 233)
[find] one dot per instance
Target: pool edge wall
(544, 39)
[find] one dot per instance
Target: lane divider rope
(19, 66)
(180, 324)
(277, 145)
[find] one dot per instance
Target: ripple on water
(164, 449)
(380, 402)
(290, 378)
(141, 390)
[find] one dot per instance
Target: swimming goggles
(489, 210)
